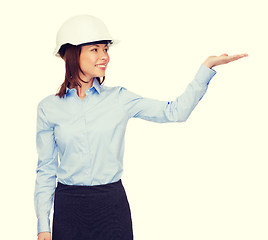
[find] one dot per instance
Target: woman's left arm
(180, 109)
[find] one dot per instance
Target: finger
(236, 57)
(225, 54)
(240, 55)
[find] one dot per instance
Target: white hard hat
(82, 29)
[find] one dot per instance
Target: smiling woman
(84, 126)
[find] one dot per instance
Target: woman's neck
(84, 87)
(81, 91)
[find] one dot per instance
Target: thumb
(225, 54)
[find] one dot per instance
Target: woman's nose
(104, 56)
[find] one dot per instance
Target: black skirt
(91, 213)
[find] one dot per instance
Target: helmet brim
(110, 43)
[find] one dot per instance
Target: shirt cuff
(43, 225)
(205, 74)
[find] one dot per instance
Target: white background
(202, 179)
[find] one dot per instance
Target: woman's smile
(101, 66)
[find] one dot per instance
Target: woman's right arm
(46, 170)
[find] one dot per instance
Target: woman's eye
(95, 50)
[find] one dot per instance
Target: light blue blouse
(81, 142)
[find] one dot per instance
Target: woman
(84, 124)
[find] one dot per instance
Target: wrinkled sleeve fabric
(178, 110)
(45, 183)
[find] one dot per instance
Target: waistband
(103, 188)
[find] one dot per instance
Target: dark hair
(71, 55)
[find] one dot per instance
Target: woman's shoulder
(112, 90)
(50, 99)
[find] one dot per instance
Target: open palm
(213, 61)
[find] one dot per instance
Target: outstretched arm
(180, 109)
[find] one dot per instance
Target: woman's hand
(44, 236)
(213, 61)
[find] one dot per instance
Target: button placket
(84, 131)
(87, 150)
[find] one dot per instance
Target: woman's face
(94, 60)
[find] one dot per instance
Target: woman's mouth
(101, 66)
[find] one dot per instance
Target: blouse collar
(95, 85)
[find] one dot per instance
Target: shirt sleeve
(45, 183)
(168, 111)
